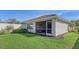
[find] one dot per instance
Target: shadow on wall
(76, 45)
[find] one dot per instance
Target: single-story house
(50, 25)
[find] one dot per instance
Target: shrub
(9, 28)
(78, 28)
(20, 31)
(3, 31)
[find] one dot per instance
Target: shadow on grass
(76, 45)
(28, 34)
(77, 32)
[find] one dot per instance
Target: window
(30, 26)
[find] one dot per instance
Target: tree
(72, 25)
(24, 22)
(77, 24)
(13, 21)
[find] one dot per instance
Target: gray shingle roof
(49, 17)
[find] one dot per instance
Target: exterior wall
(61, 28)
(16, 26)
(33, 30)
(53, 28)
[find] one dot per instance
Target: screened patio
(44, 27)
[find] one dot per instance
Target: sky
(23, 15)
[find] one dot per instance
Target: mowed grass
(26, 40)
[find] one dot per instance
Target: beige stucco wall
(61, 28)
(15, 26)
(53, 28)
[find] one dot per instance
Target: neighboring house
(15, 26)
(51, 25)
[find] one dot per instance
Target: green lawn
(22, 40)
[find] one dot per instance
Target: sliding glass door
(49, 26)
